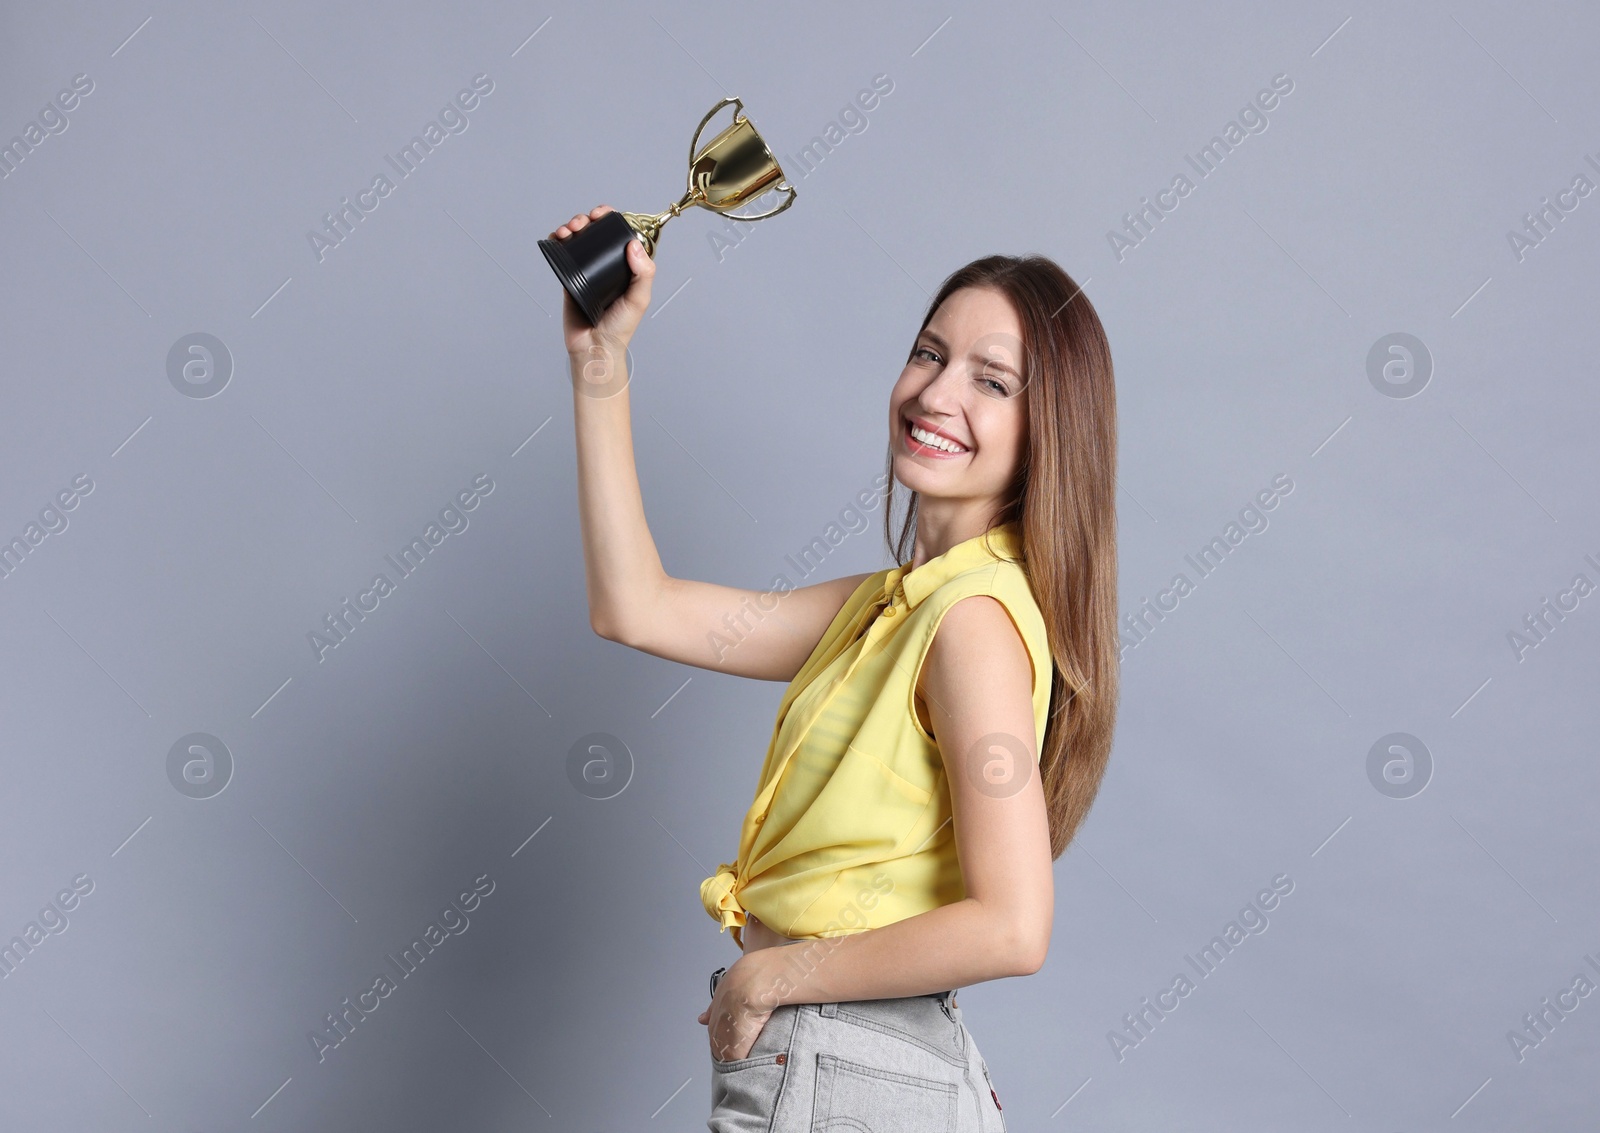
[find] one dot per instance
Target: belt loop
(828, 1010)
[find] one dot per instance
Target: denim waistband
(946, 996)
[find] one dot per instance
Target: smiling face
(963, 384)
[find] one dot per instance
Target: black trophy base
(592, 263)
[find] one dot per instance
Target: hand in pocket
(736, 1016)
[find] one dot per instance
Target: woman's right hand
(616, 326)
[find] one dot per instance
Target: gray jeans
(867, 1066)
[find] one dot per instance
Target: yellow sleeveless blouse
(850, 828)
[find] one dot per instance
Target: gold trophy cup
(728, 172)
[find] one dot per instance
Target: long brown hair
(1065, 498)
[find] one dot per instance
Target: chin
(915, 478)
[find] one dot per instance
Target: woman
(887, 865)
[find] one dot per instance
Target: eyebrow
(945, 346)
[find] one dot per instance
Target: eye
(999, 386)
(932, 356)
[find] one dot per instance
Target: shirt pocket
(890, 785)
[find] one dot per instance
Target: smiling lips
(923, 441)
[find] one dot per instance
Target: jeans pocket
(772, 1043)
(745, 1091)
(855, 1098)
(752, 1059)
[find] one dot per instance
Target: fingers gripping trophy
(728, 172)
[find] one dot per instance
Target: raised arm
(632, 599)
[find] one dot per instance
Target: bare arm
(632, 599)
(766, 635)
(978, 681)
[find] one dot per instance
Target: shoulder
(987, 616)
(978, 672)
(977, 629)
(1005, 584)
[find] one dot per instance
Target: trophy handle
(694, 143)
(781, 186)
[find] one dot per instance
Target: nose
(941, 397)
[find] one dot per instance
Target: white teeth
(933, 440)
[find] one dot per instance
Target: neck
(939, 529)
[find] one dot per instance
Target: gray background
(368, 389)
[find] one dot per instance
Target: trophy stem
(649, 227)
